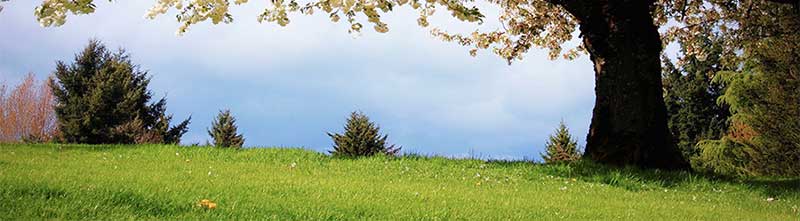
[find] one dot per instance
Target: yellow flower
(207, 204)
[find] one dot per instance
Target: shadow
(638, 179)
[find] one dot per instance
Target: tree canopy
(102, 97)
(546, 24)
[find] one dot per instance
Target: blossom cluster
(192, 12)
(54, 12)
(525, 23)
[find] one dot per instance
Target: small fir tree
(561, 147)
(223, 131)
(361, 138)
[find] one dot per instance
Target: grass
(167, 182)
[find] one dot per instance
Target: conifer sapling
(361, 138)
(223, 131)
(561, 147)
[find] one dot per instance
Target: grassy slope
(113, 182)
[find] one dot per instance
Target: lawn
(168, 182)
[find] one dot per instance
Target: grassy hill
(167, 182)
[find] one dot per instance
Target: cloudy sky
(289, 85)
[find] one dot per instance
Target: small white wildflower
(209, 173)
(563, 188)
(477, 175)
(177, 154)
(293, 165)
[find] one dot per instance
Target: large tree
(764, 97)
(103, 98)
(622, 37)
(691, 95)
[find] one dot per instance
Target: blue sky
(289, 85)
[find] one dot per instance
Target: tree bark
(629, 122)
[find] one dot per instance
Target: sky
(288, 86)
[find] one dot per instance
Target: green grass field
(167, 182)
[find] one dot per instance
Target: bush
(223, 131)
(103, 98)
(26, 113)
(561, 147)
(361, 138)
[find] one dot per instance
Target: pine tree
(223, 131)
(561, 147)
(361, 138)
(690, 95)
(103, 98)
(764, 98)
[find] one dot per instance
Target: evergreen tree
(690, 95)
(764, 97)
(361, 138)
(103, 98)
(561, 147)
(223, 131)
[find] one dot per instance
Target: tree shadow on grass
(637, 179)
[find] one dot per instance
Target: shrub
(26, 113)
(561, 147)
(361, 138)
(223, 131)
(103, 98)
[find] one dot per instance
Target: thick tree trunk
(629, 125)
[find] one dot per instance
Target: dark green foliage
(561, 147)
(691, 97)
(765, 134)
(223, 131)
(764, 97)
(103, 98)
(361, 138)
